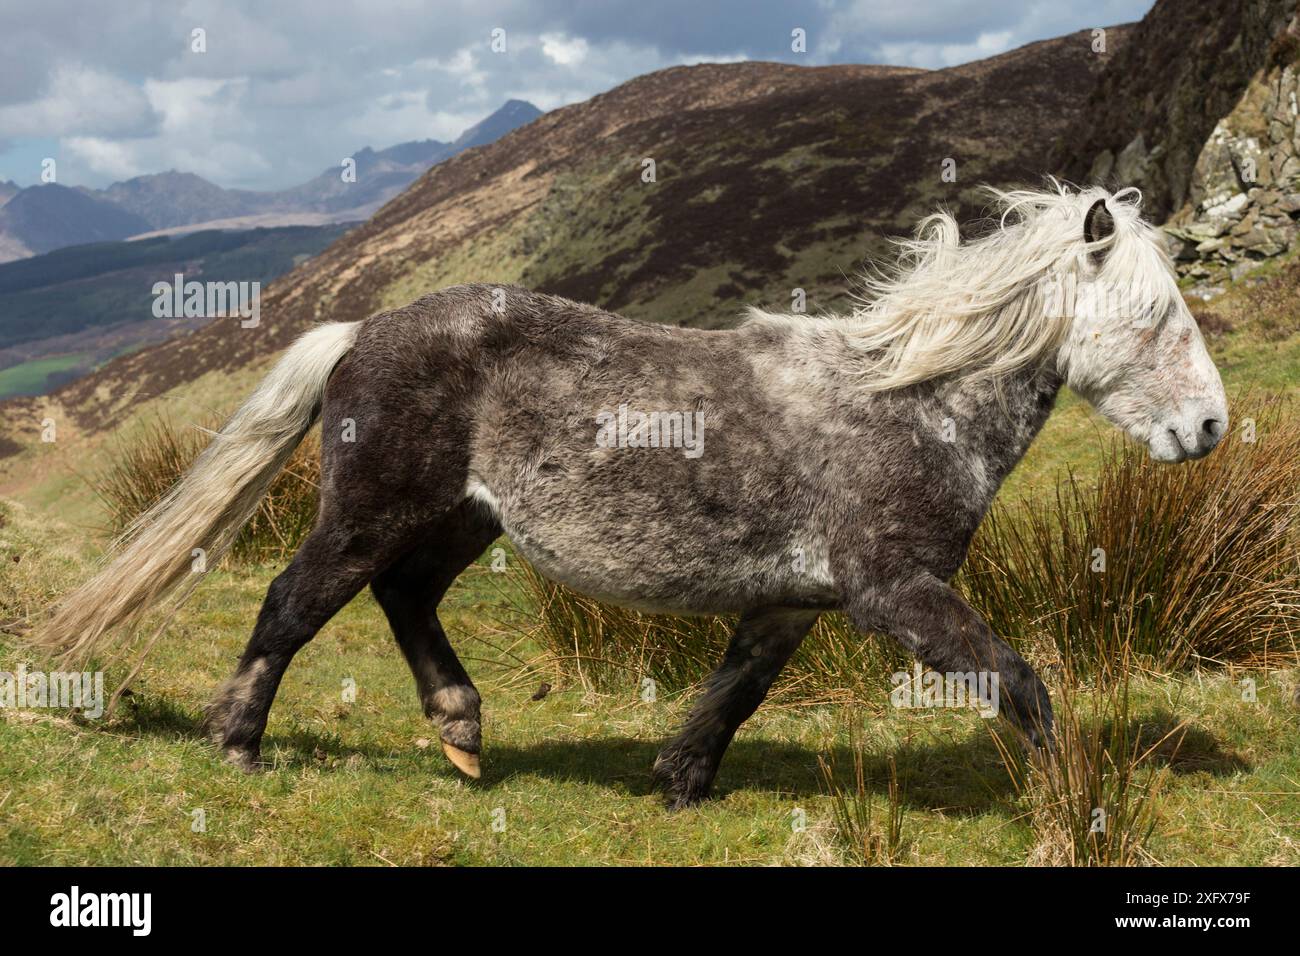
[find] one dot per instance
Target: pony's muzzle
(1195, 436)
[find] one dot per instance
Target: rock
(1102, 167)
(1243, 268)
(1263, 242)
(1246, 225)
(1229, 208)
(1133, 162)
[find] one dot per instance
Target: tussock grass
(1179, 566)
(870, 835)
(157, 457)
(602, 647)
(1092, 801)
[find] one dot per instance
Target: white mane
(980, 308)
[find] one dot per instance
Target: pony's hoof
(679, 782)
(464, 761)
(242, 759)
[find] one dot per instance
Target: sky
(112, 89)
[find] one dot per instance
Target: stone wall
(1243, 205)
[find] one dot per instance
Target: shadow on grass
(1187, 749)
(964, 775)
(154, 716)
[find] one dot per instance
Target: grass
(869, 835)
(1093, 801)
(160, 453)
(353, 784)
(32, 377)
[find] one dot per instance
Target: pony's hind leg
(338, 558)
(763, 642)
(409, 592)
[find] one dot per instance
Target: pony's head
(1077, 278)
(1132, 347)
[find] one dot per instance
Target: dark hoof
(684, 782)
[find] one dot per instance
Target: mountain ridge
(173, 201)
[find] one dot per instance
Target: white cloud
(80, 100)
(115, 160)
(202, 129)
(937, 55)
(564, 50)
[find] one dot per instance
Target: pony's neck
(998, 423)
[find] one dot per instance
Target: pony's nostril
(1212, 427)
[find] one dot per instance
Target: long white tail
(206, 507)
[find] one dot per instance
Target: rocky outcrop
(1199, 111)
(1243, 205)
(1185, 67)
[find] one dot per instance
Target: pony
(776, 470)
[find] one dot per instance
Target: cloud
(80, 100)
(937, 55)
(287, 89)
(564, 50)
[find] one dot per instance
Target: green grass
(351, 783)
(31, 378)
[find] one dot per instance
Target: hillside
(769, 177)
(1185, 66)
(1198, 111)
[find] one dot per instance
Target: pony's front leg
(931, 620)
(763, 641)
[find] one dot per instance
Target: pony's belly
(708, 582)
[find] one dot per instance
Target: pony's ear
(1098, 224)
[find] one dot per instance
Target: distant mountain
(176, 199)
(514, 114)
(49, 216)
(178, 202)
(381, 174)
